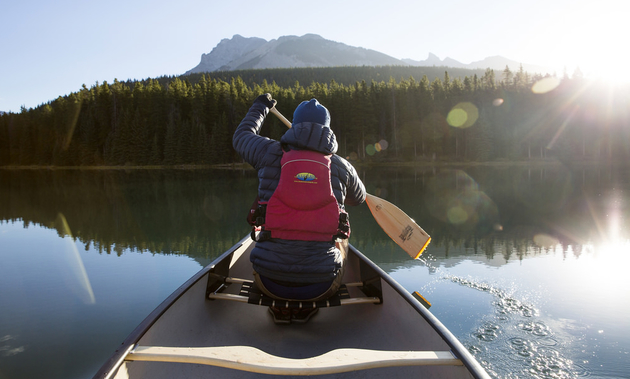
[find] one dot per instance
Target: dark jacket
(288, 260)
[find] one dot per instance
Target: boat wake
(515, 342)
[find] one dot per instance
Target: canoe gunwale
(115, 361)
(457, 348)
(370, 275)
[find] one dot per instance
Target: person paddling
(303, 189)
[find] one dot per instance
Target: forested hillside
(388, 117)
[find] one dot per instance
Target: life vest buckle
(259, 215)
(343, 230)
(263, 235)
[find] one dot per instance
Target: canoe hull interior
(194, 321)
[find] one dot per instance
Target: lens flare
(463, 115)
(370, 149)
(213, 208)
(457, 117)
(378, 147)
(545, 85)
(78, 281)
(544, 190)
(72, 124)
(457, 215)
(455, 198)
(497, 102)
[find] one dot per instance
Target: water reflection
(515, 211)
(526, 265)
(454, 197)
(44, 317)
(509, 211)
(197, 213)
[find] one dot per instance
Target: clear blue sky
(51, 48)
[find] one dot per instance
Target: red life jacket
(303, 206)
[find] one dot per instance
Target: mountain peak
(309, 50)
(312, 50)
(227, 50)
(312, 36)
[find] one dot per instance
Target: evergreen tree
(520, 79)
(482, 142)
(488, 80)
(507, 77)
(171, 140)
(191, 120)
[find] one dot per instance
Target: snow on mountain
(312, 50)
(309, 50)
(226, 51)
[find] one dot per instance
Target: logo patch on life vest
(305, 177)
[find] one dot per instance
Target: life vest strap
(343, 230)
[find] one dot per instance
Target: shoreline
(241, 165)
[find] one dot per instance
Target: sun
(611, 73)
(590, 36)
(608, 62)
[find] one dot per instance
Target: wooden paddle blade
(398, 226)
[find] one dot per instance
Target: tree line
(201, 213)
(189, 120)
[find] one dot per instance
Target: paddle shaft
(281, 117)
(398, 226)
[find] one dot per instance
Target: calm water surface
(528, 266)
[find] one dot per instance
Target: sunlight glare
(78, 281)
(592, 39)
(545, 85)
(609, 265)
(545, 240)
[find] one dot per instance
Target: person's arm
(348, 188)
(246, 140)
(356, 190)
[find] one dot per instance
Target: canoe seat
(250, 294)
(248, 358)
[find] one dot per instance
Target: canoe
(217, 326)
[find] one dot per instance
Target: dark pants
(302, 292)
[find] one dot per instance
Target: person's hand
(266, 100)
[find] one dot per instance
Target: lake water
(527, 267)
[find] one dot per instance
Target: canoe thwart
(250, 294)
(251, 359)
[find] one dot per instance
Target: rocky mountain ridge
(312, 50)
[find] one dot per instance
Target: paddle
(398, 226)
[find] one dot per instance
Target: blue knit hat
(311, 111)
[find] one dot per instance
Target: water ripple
(538, 329)
(488, 332)
(515, 343)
